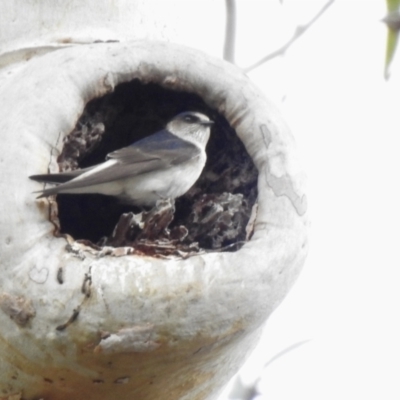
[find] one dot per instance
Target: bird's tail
(55, 179)
(47, 192)
(61, 177)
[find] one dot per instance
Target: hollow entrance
(212, 215)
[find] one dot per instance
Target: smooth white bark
(144, 328)
(158, 326)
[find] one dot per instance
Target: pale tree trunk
(80, 322)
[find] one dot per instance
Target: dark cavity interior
(213, 215)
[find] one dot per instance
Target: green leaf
(392, 20)
(392, 5)
(391, 45)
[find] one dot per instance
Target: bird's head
(191, 126)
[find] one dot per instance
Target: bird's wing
(60, 177)
(162, 146)
(158, 151)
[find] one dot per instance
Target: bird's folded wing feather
(60, 177)
(162, 145)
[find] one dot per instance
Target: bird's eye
(190, 118)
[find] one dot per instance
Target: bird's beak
(207, 123)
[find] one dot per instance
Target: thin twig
(249, 392)
(285, 351)
(300, 30)
(230, 31)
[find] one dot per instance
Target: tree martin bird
(164, 165)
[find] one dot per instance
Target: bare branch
(284, 351)
(300, 30)
(230, 31)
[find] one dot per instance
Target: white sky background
(345, 118)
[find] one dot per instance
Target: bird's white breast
(172, 182)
